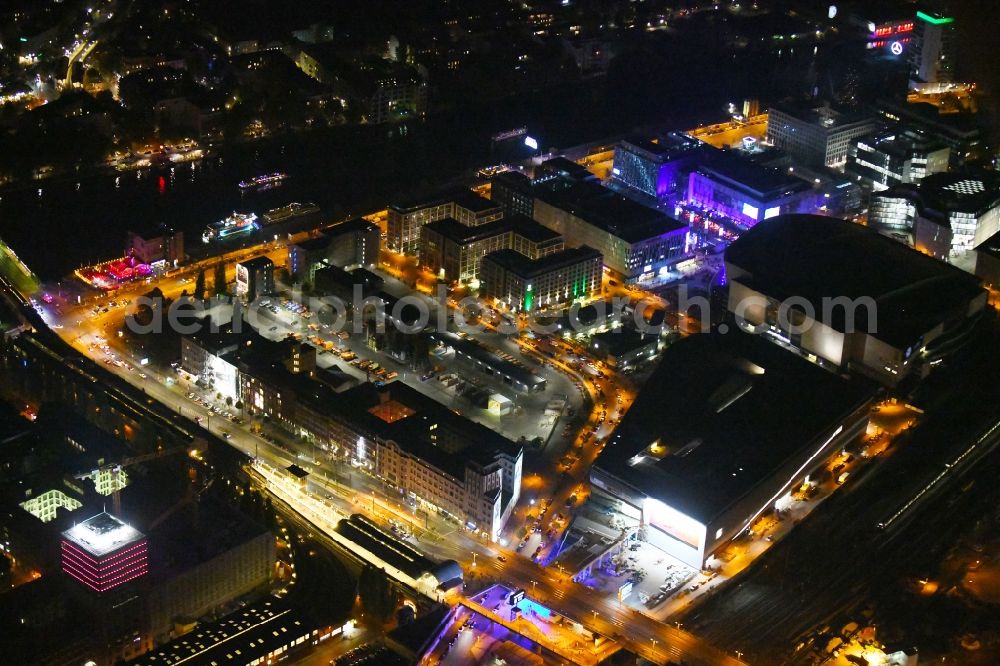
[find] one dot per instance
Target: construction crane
(118, 467)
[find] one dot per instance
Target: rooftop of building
(471, 201)
(516, 372)
(464, 197)
(667, 147)
(902, 142)
(258, 263)
(319, 243)
(337, 275)
(747, 407)
(102, 534)
(528, 268)
(761, 182)
(608, 210)
(822, 115)
(152, 231)
(621, 341)
(351, 226)
(455, 231)
(527, 228)
(253, 631)
(513, 179)
(820, 258)
(562, 166)
(967, 190)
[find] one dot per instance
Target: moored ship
(289, 212)
(265, 181)
(235, 225)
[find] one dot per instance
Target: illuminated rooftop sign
(935, 20)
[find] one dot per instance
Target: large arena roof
(720, 415)
(819, 258)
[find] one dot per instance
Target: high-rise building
(945, 215)
(254, 278)
(932, 58)
(103, 552)
(896, 156)
(816, 135)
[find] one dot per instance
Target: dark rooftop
(760, 182)
(667, 147)
(526, 267)
(621, 341)
(817, 258)
(392, 550)
(258, 263)
(526, 227)
(457, 232)
(826, 116)
(350, 226)
(608, 210)
(747, 407)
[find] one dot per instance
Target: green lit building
(524, 284)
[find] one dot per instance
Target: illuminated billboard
(673, 523)
(750, 211)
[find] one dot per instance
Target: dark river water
(59, 224)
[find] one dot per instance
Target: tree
(379, 597)
(219, 283)
(199, 285)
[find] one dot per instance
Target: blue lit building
(656, 169)
(746, 192)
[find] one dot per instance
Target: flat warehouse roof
(719, 416)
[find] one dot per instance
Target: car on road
(501, 558)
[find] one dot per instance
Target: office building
(103, 552)
(405, 219)
(454, 251)
(959, 131)
(306, 257)
(512, 191)
(656, 169)
(945, 215)
(746, 192)
(862, 302)
(696, 467)
(353, 243)
(254, 279)
(896, 156)
(158, 245)
(816, 135)
(637, 242)
(932, 56)
(523, 284)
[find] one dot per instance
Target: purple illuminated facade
(656, 169)
(103, 553)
